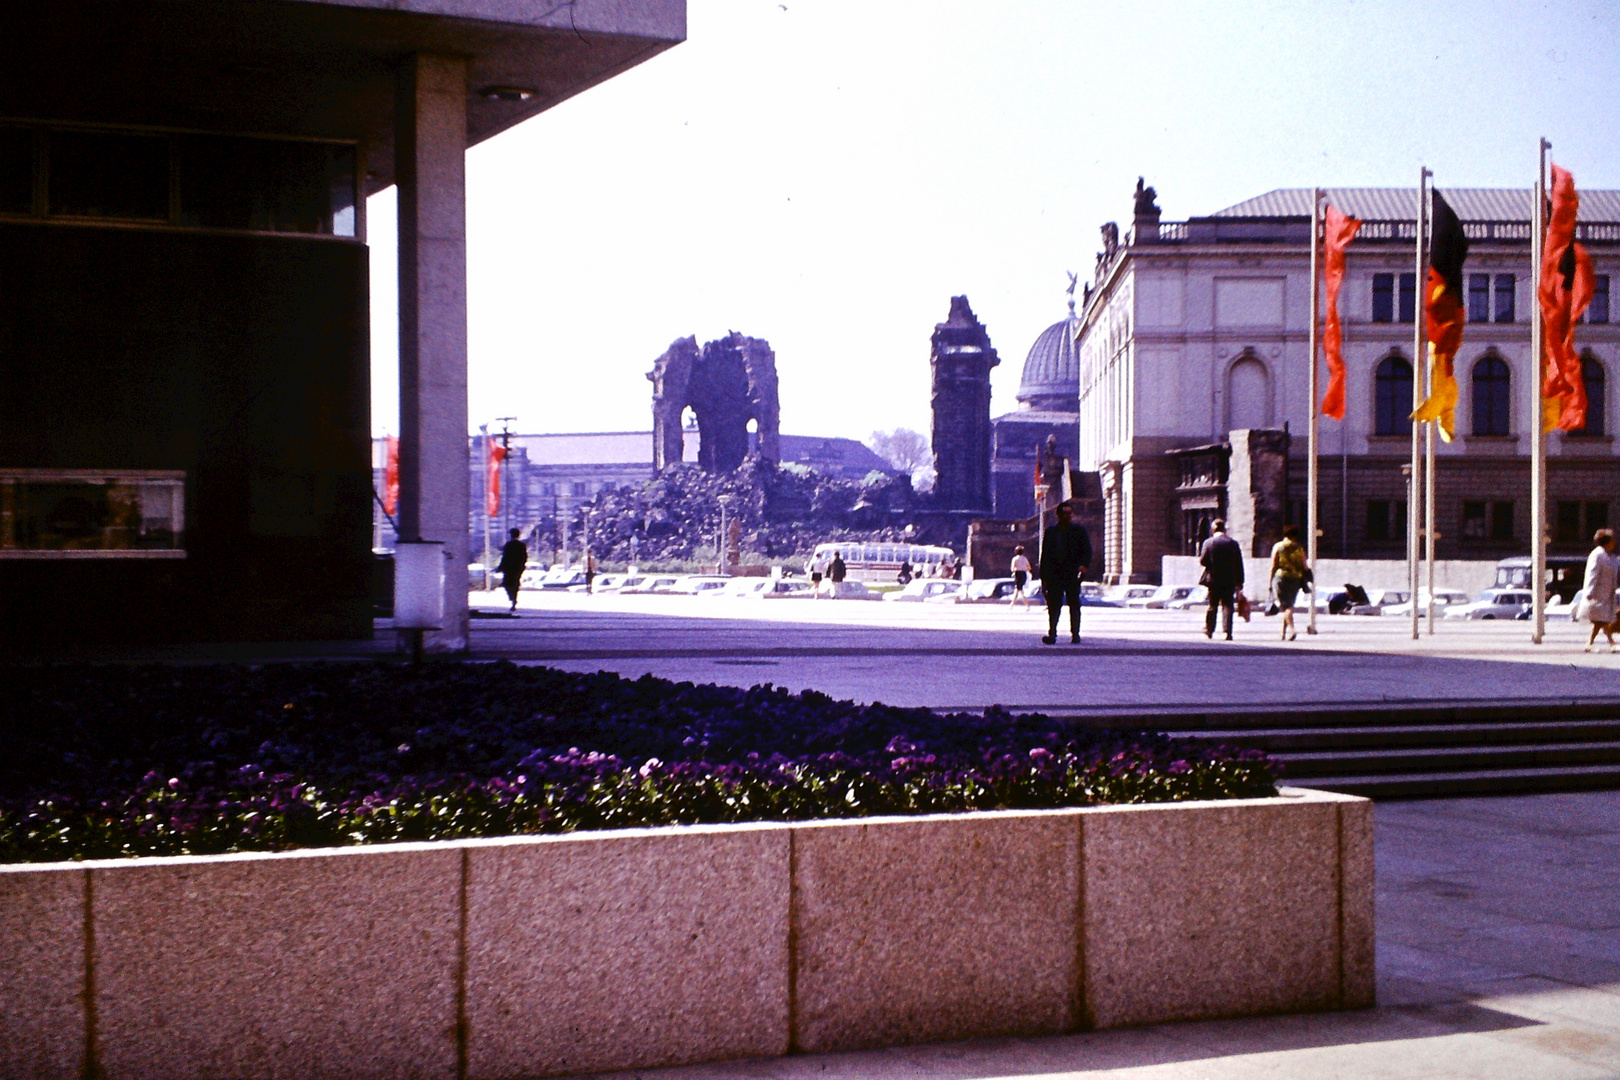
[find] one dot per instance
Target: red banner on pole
(390, 497)
(1565, 289)
(497, 454)
(1341, 229)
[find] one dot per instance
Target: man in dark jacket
(514, 557)
(1222, 560)
(1065, 555)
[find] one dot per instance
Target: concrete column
(430, 144)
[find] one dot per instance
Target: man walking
(514, 557)
(1065, 555)
(1222, 560)
(835, 572)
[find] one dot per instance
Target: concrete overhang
(310, 68)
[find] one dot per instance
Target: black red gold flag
(1443, 315)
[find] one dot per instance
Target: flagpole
(1311, 471)
(1414, 485)
(1538, 437)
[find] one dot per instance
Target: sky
(827, 174)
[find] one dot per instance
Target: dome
(1051, 377)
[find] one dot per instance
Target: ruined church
(727, 384)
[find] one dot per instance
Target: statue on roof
(1146, 200)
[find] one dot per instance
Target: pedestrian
(1596, 604)
(1289, 574)
(590, 570)
(1020, 573)
(818, 567)
(835, 572)
(1222, 560)
(905, 575)
(1065, 555)
(514, 557)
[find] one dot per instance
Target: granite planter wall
(536, 956)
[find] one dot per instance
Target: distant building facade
(1193, 340)
(548, 477)
(1048, 407)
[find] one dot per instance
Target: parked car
(561, 577)
(924, 589)
(1198, 598)
(1379, 599)
(1492, 604)
(850, 590)
(652, 583)
(1161, 596)
(601, 583)
(698, 584)
(1555, 609)
(768, 589)
(1091, 595)
(1443, 598)
(1122, 595)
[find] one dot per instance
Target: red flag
(1565, 288)
(391, 476)
(1340, 229)
(497, 454)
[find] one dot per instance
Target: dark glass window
(1597, 517)
(1479, 298)
(1504, 298)
(1392, 406)
(1377, 520)
(1473, 521)
(1492, 386)
(1383, 308)
(105, 175)
(1501, 521)
(16, 171)
(1598, 311)
(267, 185)
(1567, 525)
(1408, 297)
(1596, 390)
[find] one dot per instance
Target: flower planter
(535, 956)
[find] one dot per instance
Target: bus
(1565, 575)
(879, 562)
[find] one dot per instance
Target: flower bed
(105, 762)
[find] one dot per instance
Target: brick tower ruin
(961, 359)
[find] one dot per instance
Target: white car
(1124, 594)
(768, 589)
(1161, 596)
(1198, 598)
(652, 583)
(1379, 600)
(1492, 604)
(601, 583)
(698, 584)
(1443, 598)
(850, 590)
(925, 589)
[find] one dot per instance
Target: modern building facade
(1192, 331)
(184, 323)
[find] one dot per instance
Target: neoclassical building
(1193, 331)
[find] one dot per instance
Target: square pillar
(430, 145)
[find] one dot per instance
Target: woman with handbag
(1596, 604)
(1288, 576)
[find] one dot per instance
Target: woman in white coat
(1597, 594)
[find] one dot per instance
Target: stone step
(1384, 714)
(1388, 736)
(1434, 785)
(1304, 766)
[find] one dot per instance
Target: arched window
(1492, 387)
(1392, 406)
(1248, 394)
(1596, 385)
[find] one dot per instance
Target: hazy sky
(826, 174)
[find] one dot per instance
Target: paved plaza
(971, 655)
